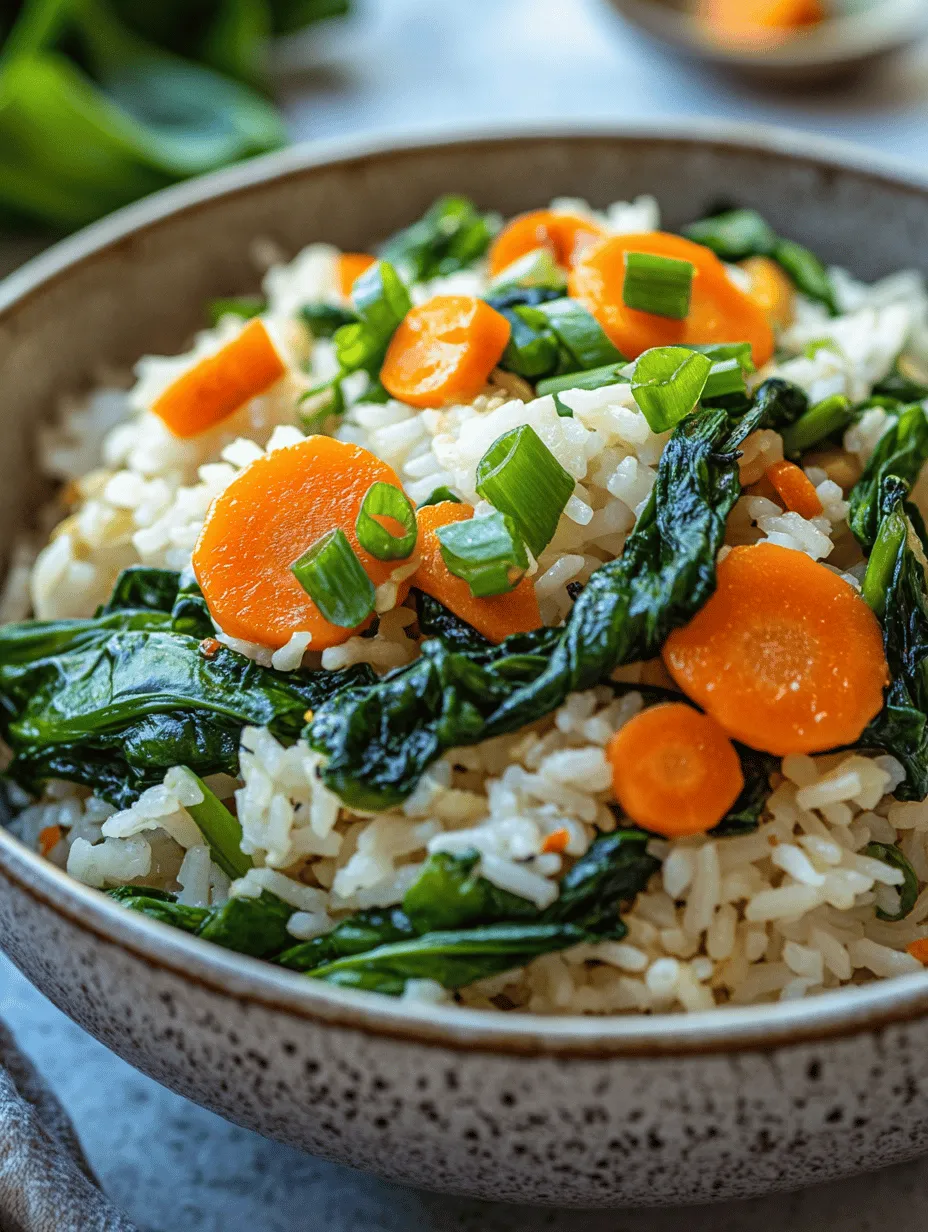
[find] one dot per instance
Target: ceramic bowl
(837, 48)
(570, 1110)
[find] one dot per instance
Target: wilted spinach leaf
(890, 854)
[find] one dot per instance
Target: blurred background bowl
(837, 47)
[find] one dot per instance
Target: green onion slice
(537, 268)
(667, 382)
(439, 494)
(221, 829)
(317, 404)
(725, 378)
(718, 352)
(883, 559)
(661, 285)
(383, 500)
(890, 854)
(734, 235)
(819, 422)
(334, 579)
(595, 378)
(486, 551)
(577, 330)
(323, 320)
(520, 476)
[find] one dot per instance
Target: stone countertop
(394, 66)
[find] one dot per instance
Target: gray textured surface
(402, 64)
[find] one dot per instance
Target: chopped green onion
(725, 378)
(720, 351)
(323, 320)
(807, 272)
(661, 285)
(451, 235)
(819, 422)
(667, 382)
(242, 306)
(381, 301)
(385, 500)
(520, 476)
(578, 331)
(883, 560)
(537, 268)
(734, 235)
(334, 579)
(595, 378)
(439, 494)
(811, 349)
(317, 404)
(221, 829)
(487, 552)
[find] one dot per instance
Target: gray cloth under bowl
(46, 1183)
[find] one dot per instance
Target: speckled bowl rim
(729, 1029)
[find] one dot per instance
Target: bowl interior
(137, 283)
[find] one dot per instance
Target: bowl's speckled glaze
(565, 1111)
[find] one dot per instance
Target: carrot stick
(786, 655)
(49, 838)
(564, 235)
(719, 311)
(674, 770)
(919, 949)
(219, 385)
(266, 519)
(351, 265)
(795, 489)
(556, 842)
(495, 617)
(444, 350)
(771, 288)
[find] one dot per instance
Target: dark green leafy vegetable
(160, 906)
(115, 701)
(323, 320)
(908, 891)
(379, 739)
(737, 234)
(451, 235)
(901, 452)
(255, 926)
(577, 331)
(744, 814)
(895, 587)
(448, 894)
(901, 387)
(359, 933)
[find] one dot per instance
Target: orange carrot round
(266, 519)
(564, 235)
(919, 949)
(219, 385)
(444, 350)
(719, 311)
(795, 489)
(351, 265)
(497, 616)
(49, 838)
(771, 288)
(674, 771)
(786, 655)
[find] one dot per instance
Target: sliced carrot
(217, 386)
(49, 838)
(795, 489)
(444, 350)
(786, 655)
(719, 311)
(755, 24)
(919, 949)
(674, 770)
(771, 288)
(564, 235)
(495, 617)
(351, 265)
(265, 519)
(556, 842)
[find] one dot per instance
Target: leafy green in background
(103, 101)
